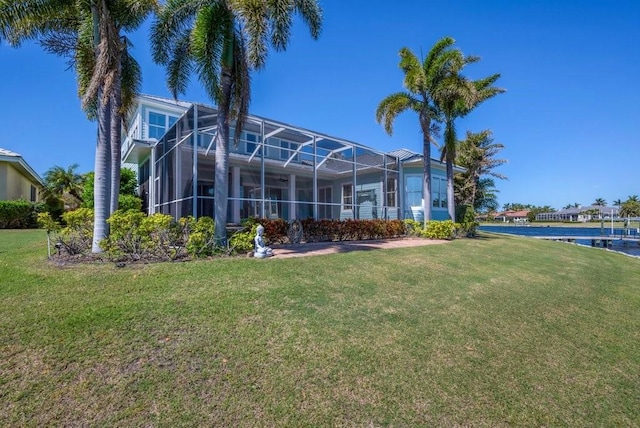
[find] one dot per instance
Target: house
(511, 216)
(18, 181)
(580, 214)
(276, 170)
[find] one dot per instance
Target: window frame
(347, 206)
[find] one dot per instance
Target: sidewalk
(282, 251)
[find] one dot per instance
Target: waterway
(631, 248)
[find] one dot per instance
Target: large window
(159, 123)
(287, 149)
(324, 202)
(439, 192)
(413, 191)
(251, 142)
(347, 197)
(391, 192)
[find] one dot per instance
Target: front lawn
(494, 331)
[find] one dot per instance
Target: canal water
(631, 248)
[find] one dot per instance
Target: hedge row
(276, 231)
(19, 214)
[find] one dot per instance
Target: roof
(403, 154)
(511, 213)
(5, 152)
(20, 164)
(169, 101)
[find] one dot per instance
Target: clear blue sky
(569, 119)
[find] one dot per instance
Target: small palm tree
(59, 182)
(221, 41)
(617, 202)
(421, 80)
(476, 154)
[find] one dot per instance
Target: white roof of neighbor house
(22, 165)
(5, 152)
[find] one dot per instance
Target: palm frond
(241, 86)
(390, 107)
(281, 14)
(180, 64)
(169, 25)
(212, 32)
(254, 19)
(311, 14)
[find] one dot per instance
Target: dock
(604, 241)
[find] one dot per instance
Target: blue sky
(568, 120)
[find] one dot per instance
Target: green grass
(495, 331)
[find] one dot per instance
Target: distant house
(580, 214)
(511, 216)
(18, 181)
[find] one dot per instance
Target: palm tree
(59, 182)
(455, 97)
(600, 202)
(420, 81)
(617, 203)
(89, 33)
(633, 198)
(476, 154)
(222, 40)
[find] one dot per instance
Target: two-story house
(276, 170)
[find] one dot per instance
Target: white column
(292, 197)
(235, 193)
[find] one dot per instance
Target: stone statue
(261, 250)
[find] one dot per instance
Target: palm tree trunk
(116, 135)
(102, 179)
(222, 159)
(425, 122)
(451, 203)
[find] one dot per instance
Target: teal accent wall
(438, 184)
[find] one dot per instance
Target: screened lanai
(275, 171)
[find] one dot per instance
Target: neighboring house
(275, 171)
(580, 214)
(18, 181)
(511, 216)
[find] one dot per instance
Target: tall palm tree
(420, 81)
(633, 198)
(222, 41)
(617, 202)
(455, 97)
(89, 33)
(477, 155)
(600, 202)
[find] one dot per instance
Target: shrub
(77, 236)
(440, 229)
(135, 235)
(242, 241)
(466, 217)
(413, 227)
(167, 238)
(201, 241)
(19, 214)
(126, 237)
(129, 202)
